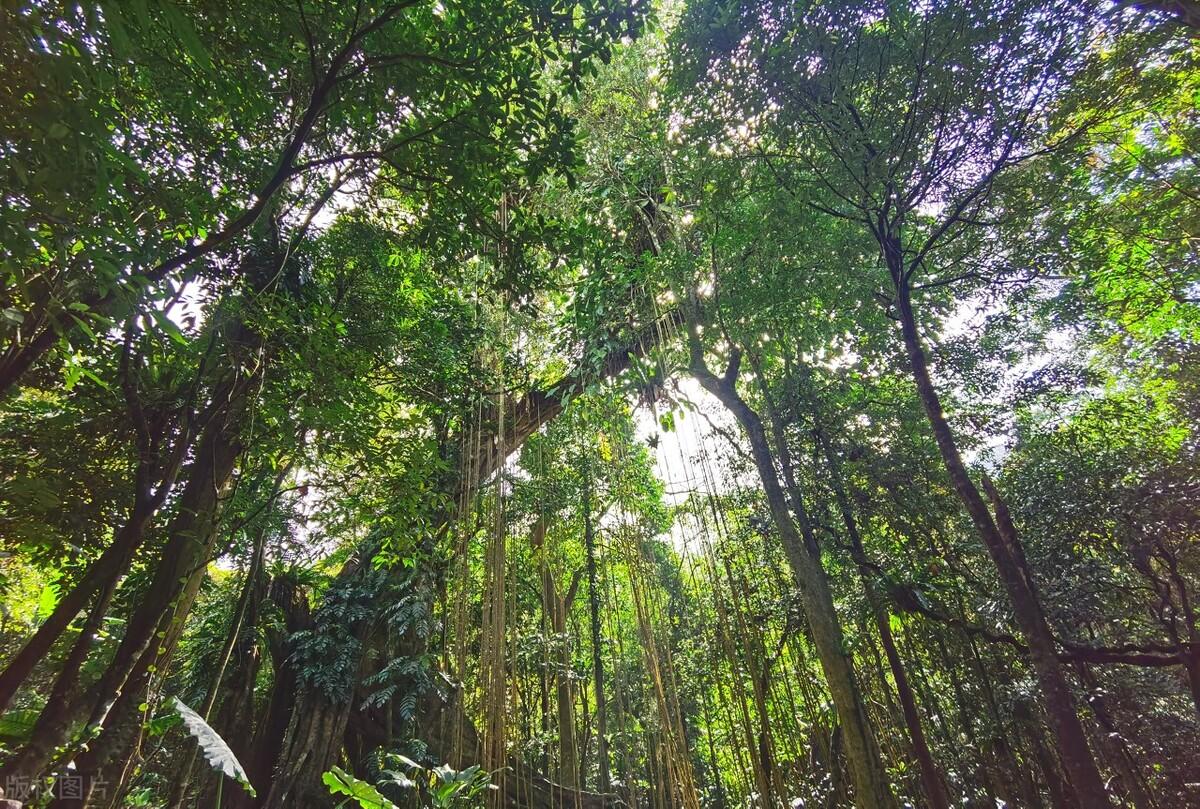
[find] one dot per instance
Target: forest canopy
(580, 404)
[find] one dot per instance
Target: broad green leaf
(341, 782)
(215, 750)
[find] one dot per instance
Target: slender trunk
(757, 663)
(1004, 747)
(589, 540)
(931, 779)
(1003, 544)
(1134, 785)
(544, 697)
(555, 609)
(871, 786)
(184, 778)
(760, 769)
(1062, 796)
(713, 770)
(172, 589)
(106, 765)
(837, 787)
(1192, 669)
(1190, 653)
(53, 723)
(271, 730)
(101, 574)
(568, 764)
(880, 669)
(102, 766)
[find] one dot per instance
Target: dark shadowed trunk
(931, 779)
(589, 541)
(165, 604)
(871, 786)
(270, 730)
(1003, 545)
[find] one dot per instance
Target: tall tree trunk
(156, 474)
(312, 746)
(271, 730)
(184, 778)
(589, 541)
(931, 779)
(191, 537)
(317, 730)
(54, 721)
(1015, 777)
(1000, 537)
(122, 760)
(555, 607)
(106, 764)
(1062, 796)
(871, 786)
(1124, 762)
(102, 574)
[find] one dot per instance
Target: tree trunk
(1003, 544)
(871, 786)
(555, 607)
(173, 587)
(313, 744)
(184, 777)
(54, 721)
(1016, 778)
(1062, 796)
(589, 541)
(931, 779)
(1131, 781)
(756, 740)
(317, 730)
(100, 575)
(270, 731)
(107, 763)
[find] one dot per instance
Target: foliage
(216, 751)
(442, 787)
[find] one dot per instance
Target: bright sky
(679, 459)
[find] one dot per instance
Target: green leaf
(182, 27)
(167, 325)
(47, 600)
(215, 750)
(341, 782)
(16, 726)
(161, 724)
(83, 326)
